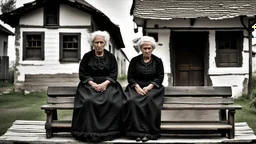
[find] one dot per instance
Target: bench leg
(48, 134)
(48, 126)
(231, 121)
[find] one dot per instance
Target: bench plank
(198, 91)
(177, 90)
(199, 107)
(198, 100)
(61, 91)
(195, 126)
(168, 100)
(165, 107)
(59, 100)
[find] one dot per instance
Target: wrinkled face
(99, 43)
(146, 49)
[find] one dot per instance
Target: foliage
(247, 114)
(5, 84)
(7, 5)
(253, 102)
(122, 78)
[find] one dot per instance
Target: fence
(4, 67)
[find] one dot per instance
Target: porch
(30, 132)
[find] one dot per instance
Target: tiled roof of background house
(213, 9)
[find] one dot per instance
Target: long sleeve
(83, 71)
(113, 69)
(131, 72)
(157, 81)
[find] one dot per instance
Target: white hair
(144, 39)
(104, 34)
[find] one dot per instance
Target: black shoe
(138, 139)
(144, 139)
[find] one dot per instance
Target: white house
(51, 38)
(202, 43)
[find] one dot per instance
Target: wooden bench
(181, 99)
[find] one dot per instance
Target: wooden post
(250, 61)
(231, 121)
(48, 126)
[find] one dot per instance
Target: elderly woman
(141, 114)
(99, 97)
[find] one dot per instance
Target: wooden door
(189, 58)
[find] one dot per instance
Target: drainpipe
(250, 62)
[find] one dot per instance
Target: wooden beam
(192, 21)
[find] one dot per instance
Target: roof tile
(217, 9)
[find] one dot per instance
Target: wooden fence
(4, 67)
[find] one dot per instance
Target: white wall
(33, 18)
(69, 16)
(233, 77)
(73, 17)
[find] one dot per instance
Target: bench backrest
(61, 94)
(173, 95)
(198, 95)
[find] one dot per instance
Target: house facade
(202, 43)
(51, 39)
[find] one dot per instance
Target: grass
(247, 114)
(5, 84)
(16, 106)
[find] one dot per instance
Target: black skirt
(141, 115)
(97, 115)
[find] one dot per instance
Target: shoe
(138, 139)
(144, 139)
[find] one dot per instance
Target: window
(33, 46)
(229, 47)
(51, 13)
(154, 35)
(70, 47)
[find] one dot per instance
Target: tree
(7, 5)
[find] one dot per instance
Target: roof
(213, 9)
(5, 30)
(102, 21)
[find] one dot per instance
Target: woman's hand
(139, 90)
(103, 86)
(148, 88)
(94, 85)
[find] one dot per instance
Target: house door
(189, 53)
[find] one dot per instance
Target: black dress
(141, 115)
(97, 115)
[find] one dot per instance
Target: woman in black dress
(99, 97)
(141, 113)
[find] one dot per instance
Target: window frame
(47, 9)
(42, 55)
(61, 57)
(237, 37)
